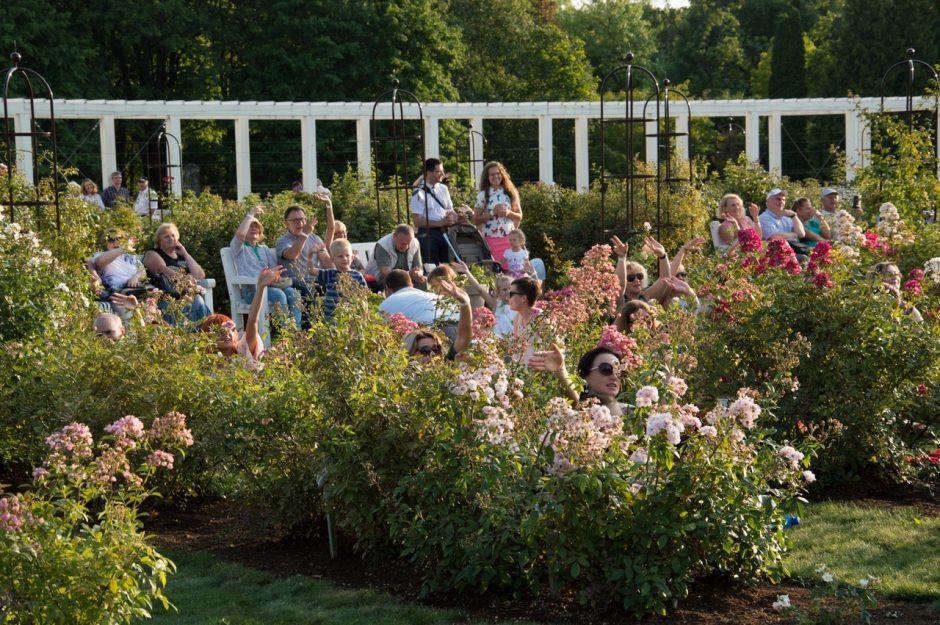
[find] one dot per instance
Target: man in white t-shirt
(432, 211)
(146, 203)
(419, 306)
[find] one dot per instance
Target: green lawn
(209, 591)
(900, 545)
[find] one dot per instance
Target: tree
(788, 80)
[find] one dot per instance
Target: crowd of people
(305, 275)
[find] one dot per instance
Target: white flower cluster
(647, 396)
(581, 435)
(846, 232)
(745, 410)
(491, 384)
(782, 603)
(890, 226)
(664, 422)
(791, 455)
(932, 269)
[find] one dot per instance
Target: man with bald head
(109, 326)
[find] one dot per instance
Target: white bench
(241, 307)
(364, 250)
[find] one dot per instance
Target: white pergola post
(108, 150)
(682, 143)
(476, 148)
(174, 146)
(853, 144)
(546, 167)
(363, 148)
(652, 145)
(582, 173)
(242, 157)
(308, 148)
(774, 143)
(752, 136)
(24, 145)
(432, 137)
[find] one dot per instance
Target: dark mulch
(219, 528)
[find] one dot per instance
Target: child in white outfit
(515, 258)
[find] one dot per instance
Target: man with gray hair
(397, 250)
(115, 195)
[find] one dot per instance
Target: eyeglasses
(297, 220)
(682, 274)
(427, 351)
(633, 277)
(512, 293)
(607, 369)
(115, 239)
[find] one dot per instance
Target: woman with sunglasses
(424, 345)
(600, 369)
(632, 275)
(889, 276)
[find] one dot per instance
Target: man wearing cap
(779, 223)
(146, 204)
(830, 202)
(115, 194)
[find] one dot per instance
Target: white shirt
(418, 306)
(770, 224)
(142, 205)
(116, 273)
(437, 208)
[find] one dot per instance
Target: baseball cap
(828, 191)
(775, 191)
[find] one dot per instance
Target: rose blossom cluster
(483, 322)
(401, 324)
(582, 435)
(170, 429)
(622, 345)
(127, 430)
(749, 240)
(673, 419)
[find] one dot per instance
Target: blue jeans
(287, 299)
(195, 312)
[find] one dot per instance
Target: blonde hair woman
(169, 263)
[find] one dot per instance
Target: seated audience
(251, 256)
(498, 303)
(779, 223)
(426, 345)
(398, 250)
(600, 368)
(116, 265)
(633, 278)
(733, 220)
(340, 232)
(633, 314)
(249, 345)
(90, 193)
(328, 279)
(109, 326)
(816, 226)
(170, 266)
(300, 247)
(890, 277)
(416, 305)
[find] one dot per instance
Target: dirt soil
(218, 527)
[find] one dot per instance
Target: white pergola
(857, 137)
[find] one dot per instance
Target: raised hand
(694, 244)
(551, 361)
(127, 302)
(310, 224)
(459, 267)
(323, 197)
(256, 210)
(620, 248)
(655, 246)
(453, 291)
(269, 275)
(417, 275)
(753, 210)
(679, 286)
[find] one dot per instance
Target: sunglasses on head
(606, 368)
(427, 351)
(632, 277)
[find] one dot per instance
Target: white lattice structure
(857, 139)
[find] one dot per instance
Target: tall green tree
(608, 30)
(788, 80)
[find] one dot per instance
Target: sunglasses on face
(425, 350)
(607, 369)
(633, 277)
(682, 274)
(514, 293)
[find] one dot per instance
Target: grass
(209, 591)
(899, 545)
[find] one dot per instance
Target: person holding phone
(170, 266)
